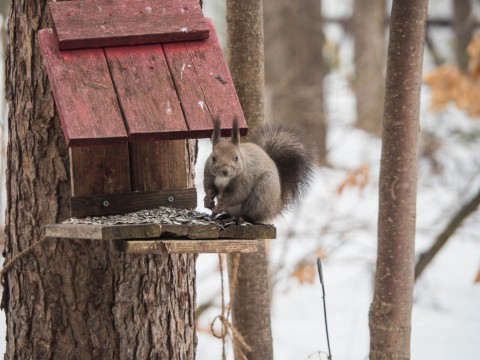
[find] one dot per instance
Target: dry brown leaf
(477, 278)
(355, 178)
(320, 253)
(305, 272)
(473, 51)
(444, 82)
(450, 84)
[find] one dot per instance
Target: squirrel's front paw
(220, 208)
(208, 202)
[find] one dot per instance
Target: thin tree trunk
(295, 69)
(463, 25)
(370, 50)
(454, 224)
(246, 57)
(251, 302)
(74, 299)
(390, 312)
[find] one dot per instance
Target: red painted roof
(83, 24)
(159, 91)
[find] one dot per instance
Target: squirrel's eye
(236, 158)
(214, 158)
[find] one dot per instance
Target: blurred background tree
(294, 67)
(369, 32)
(463, 26)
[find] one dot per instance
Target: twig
(320, 275)
(456, 222)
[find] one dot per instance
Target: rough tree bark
(390, 312)
(295, 69)
(251, 303)
(370, 50)
(75, 299)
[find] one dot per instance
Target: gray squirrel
(255, 181)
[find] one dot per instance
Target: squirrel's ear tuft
(235, 132)
(216, 132)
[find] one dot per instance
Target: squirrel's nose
(225, 172)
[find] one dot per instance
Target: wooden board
(148, 231)
(192, 99)
(215, 232)
(99, 170)
(80, 24)
(107, 204)
(187, 246)
(103, 232)
(159, 165)
(83, 90)
(209, 70)
(146, 93)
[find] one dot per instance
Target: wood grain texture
(146, 93)
(99, 169)
(213, 231)
(160, 232)
(187, 246)
(190, 93)
(84, 94)
(103, 232)
(159, 165)
(249, 232)
(204, 85)
(121, 203)
(80, 24)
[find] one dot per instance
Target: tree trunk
(251, 302)
(390, 312)
(370, 49)
(464, 26)
(295, 69)
(74, 299)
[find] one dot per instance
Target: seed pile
(161, 215)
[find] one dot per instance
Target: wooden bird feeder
(132, 81)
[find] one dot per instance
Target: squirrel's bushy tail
(294, 156)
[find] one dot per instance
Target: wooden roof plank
(216, 82)
(84, 94)
(146, 93)
(80, 24)
(190, 93)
